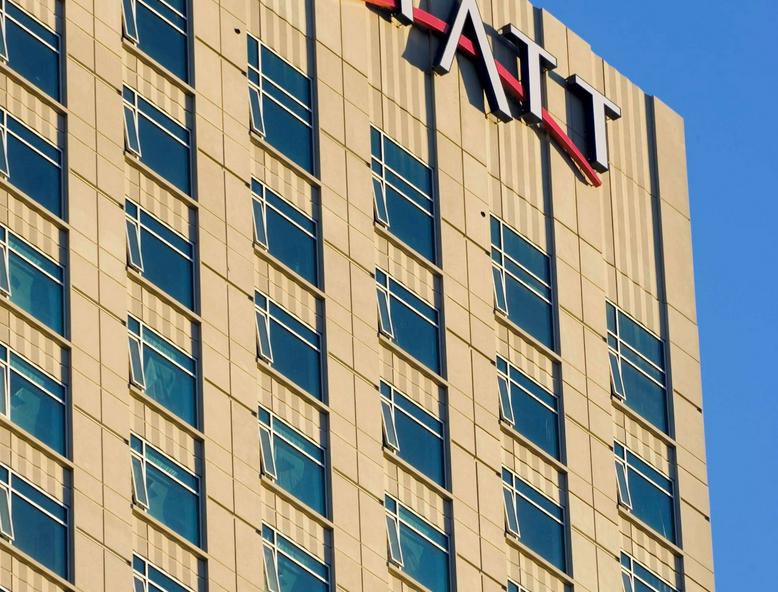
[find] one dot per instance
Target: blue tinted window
(403, 194)
(34, 164)
(167, 257)
(170, 374)
(651, 493)
(541, 521)
(299, 463)
(296, 347)
(40, 525)
(287, 233)
(292, 567)
(419, 434)
(638, 370)
(415, 323)
(285, 113)
(641, 578)
(533, 409)
(152, 578)
(523, 283)
(173, 492)
(37, 401)
(32, 49)
(425, 549)
(159, 28)
(35, 283)
(164, 144)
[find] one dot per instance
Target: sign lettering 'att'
(499, 83)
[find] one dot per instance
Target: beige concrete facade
(627, 243)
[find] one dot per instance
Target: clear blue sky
(716, 63)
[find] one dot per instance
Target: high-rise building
(318, 295)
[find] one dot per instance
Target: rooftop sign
(499, 83)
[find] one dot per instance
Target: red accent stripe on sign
(512, 85)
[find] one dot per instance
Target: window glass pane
(271, 574)
(499, 290)
(287, 134)
(167, 268)
(162, 42)
(627, 581)
(164, 155)
(529, 312)
(139, 483)
(652, 506)
(296, 360)
(37, 412)
(6, 524)
(268, 454)
(300, 476)
(173, 505)
(291, 245)
(136, 363)
(512, 522)
(379, 197)
(621, 480)
(405, 165)
(423, 561)
(165, 582)
(393, 533)
(36, 293)
(617, 384)
(170, 386)
(506, 408)
(641, 340)
(260, 228)
(285, 76)
(415, 335)
(645, 397)
(4, 170)
(35, 175)
(420, 448)
(541, 533)
(410, 224)
(255, 106)
(37, 61)
(131, 130)
(263, 336)
(293, 578)
(390, 429)
(128, 20)
(5, 282)
(536, 421)
(133, 245)
(384, 316)
(524, 253)
(43, 538)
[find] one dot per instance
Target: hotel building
(304, 296)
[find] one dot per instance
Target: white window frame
(384, 181)
(264, 350)
(621, 359)
(394, 518)
(629, 576)
(5, 166)
(11, 492)
(133, 7)
(502, 269)
(145, 461)
(145, 580)
(270, 550)
(385, 322)
(7, 529)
